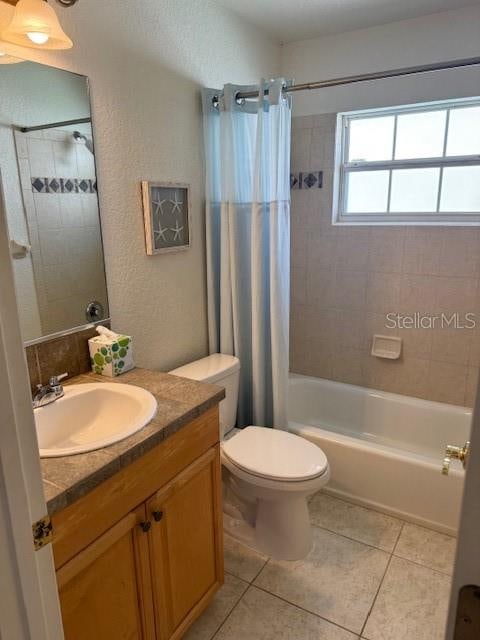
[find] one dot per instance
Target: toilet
(268, 474)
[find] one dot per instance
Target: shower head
(80, 137)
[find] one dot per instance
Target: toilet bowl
(274, 472)
(268, 474)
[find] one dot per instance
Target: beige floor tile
(261, 616)
(355, 522)
(412, 604)
(424, 546)
(338, 580)
(212, 618)
(241, 561)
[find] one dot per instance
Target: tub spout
(455, 453)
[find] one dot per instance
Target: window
(418, 164)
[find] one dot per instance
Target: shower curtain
(247, 145)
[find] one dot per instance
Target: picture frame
(166, 211)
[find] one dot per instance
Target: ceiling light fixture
(35, 24)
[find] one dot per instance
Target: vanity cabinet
(104, 590)
(145, 570)
(183, 549)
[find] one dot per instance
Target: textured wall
(147, 61)
(346, 279)
(439, 37)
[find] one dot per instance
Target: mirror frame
(66, 332)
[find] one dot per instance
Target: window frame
(342, 168)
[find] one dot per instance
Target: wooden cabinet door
(105, 590)
(186, 545)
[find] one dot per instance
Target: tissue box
(113, 357)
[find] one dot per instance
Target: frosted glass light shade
(35, 25)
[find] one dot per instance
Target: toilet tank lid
(209, 369)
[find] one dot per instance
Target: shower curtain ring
(240, 101)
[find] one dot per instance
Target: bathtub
(385, 450)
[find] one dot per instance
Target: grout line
(391, 555)
(422, 526)
(424, 566)
(333, 496)
(297, 606)
(230, 612)
(233, 575)
(370, 509)
(393, 551)
(259, 572)
(419, 564)
(376, 595)
(342, 535)
(398, 539)
(402, 521)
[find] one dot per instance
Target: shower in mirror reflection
(49, 180)
(80, 137)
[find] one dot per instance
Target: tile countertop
(68, 478)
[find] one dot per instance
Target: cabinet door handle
(157, 515)
(145, 526)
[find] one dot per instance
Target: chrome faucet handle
(455, 453)
(48, 393)
(55, 380)
(55, 386)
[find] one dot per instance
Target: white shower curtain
(248, 243)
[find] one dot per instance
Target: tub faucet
(48, 393)
(457, 453)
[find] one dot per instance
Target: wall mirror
(49, 185)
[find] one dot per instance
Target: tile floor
(368, 576)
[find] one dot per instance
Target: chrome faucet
(48, 393)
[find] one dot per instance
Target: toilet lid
(275, 454)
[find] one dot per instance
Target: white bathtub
(385, 450)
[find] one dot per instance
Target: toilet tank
(223, 370)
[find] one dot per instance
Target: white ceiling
(289, 20)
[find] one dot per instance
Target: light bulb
(35, 24)
(37, 37)
(2, 54)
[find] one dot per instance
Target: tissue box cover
(111, 358)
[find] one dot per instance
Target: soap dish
(389, 347)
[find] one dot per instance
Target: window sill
(409, 219)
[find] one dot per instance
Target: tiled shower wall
(59, 193)
(346, 279)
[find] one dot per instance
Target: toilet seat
(275, 455)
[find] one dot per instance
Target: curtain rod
(54, 125)
(366, 77)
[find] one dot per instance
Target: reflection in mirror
(49, 184)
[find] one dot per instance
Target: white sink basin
(91, 416)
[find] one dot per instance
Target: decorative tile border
(64, 185)
(306, 180)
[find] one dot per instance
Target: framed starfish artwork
(166, 211)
